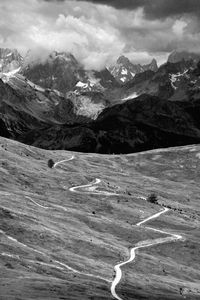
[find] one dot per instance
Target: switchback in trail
(143, 244)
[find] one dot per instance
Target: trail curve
(37, 204)
(143, 244)
(62, 161)
(91, 188)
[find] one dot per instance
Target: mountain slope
(136, 125)
(177, 56)
(83, 122)
(10, 60)
(175, 81)
(61, 71)
(26, 106)
(46, 229)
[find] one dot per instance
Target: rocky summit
(124, 70)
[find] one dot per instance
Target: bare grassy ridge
(92, 233)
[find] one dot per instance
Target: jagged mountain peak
(154, 62)
(153, 66)
(123, 60)
(124, 70)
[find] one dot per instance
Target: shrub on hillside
(152, 198)
(50, 163)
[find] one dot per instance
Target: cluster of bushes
(152, 198)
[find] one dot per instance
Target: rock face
(124, 70)
(10, 60)
(177, 56)
(26, 107)
(175, 81)
(61, 71)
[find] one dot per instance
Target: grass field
(56, 244)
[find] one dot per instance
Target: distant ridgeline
(59, 105)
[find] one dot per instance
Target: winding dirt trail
(62, 161)
(37, 204)
(143, 244)
(91, 188)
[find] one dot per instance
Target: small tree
(50, 163)
(152, 198)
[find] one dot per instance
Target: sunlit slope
(60, 244)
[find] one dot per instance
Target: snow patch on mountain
(6, 76)
(131, 96)
(176, 77)
(35, 86)
(9, 54)
(91, 83)
(124, 71)
(81, 84)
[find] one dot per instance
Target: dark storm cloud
(155, 8)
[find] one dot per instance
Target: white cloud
(178, 27)
(95, 34)
(91, 41)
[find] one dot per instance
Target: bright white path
(91, 188)
(62, 161)
(45, 207)
(143, 244)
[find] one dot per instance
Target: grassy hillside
(56, 244)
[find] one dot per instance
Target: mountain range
(87, 226)
(59, 105)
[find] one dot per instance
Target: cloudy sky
(98, 31)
